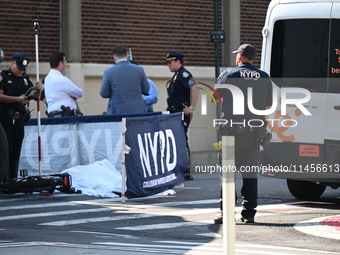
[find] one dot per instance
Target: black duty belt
(66, 113)
(173, 109)
(239, 129)
(57, 112)
(11, 114)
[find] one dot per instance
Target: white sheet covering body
(99, 179)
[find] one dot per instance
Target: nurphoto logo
(300, 97)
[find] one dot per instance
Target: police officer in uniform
(14, 83)
(249, 127)
(182, 94)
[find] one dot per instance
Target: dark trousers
(247, 150)
(186, 123)
(15, 135)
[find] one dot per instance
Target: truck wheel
(3, 154)
(305, 189)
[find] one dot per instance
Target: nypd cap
(246, 50)
(21, 61)
(174, 55)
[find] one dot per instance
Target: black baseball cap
(174, 55)
(21, 61)
(246, 50)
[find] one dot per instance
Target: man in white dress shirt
(61, 93)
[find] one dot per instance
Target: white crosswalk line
(175, 247)
(56, 204)
(49, 214)
(179, 247)
(184, 217)
(108, 203)
(128, 217)
(166, 225)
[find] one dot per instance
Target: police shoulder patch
(0, 78)
(185, 74)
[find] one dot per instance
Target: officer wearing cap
(247, 136)
(182, 94)
(14, 83)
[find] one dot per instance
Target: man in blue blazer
(124, 84)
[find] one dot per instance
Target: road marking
(48, 214)
(192, 202)
(252, 248)
(105, 234)
(35, 196)
(128, 217)
(43, 205)
(166, 225)
(281, 207)
(214, 248)
(103, 201)
(315, 227)
(108, 206)
(283, 248)
(175, 247)
(333, 221)
(210, 234)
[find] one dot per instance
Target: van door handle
(337, 107)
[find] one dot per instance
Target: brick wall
(16, 27)
(151, 28)
(253, 15)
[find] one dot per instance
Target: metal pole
(37, 56)
(123, 160)
(216, 44)
(36, 28)
(228, 194)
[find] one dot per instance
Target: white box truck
(301, 49)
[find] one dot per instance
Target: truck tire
(305, 189)
(3, 154)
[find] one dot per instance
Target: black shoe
(188, 176)
(219, 219)
(248, 220)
